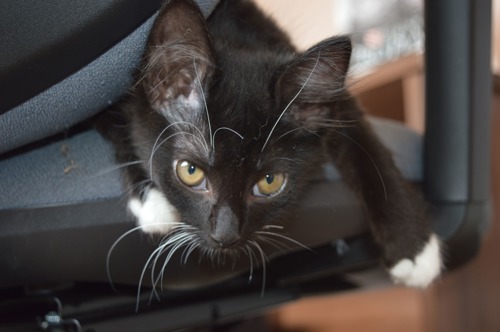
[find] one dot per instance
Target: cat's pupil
(191, 169)
(269, 178)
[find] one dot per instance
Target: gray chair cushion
(81, 95)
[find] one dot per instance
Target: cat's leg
(151, 209)
(397, 213)
(153, 212)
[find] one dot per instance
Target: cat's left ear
(314, 79)
(178, 61)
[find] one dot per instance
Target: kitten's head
(232, 136)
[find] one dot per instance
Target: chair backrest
(62, 62)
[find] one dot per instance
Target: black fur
(248, 73)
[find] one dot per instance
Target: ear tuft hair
(179, 58)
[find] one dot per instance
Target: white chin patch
(155, 214)
(422, 270)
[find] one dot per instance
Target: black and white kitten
(227, 124)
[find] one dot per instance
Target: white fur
(422, 270)
(155, 214)
(193, 101)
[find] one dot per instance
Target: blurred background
(387, 76)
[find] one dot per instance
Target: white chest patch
(422, 270)
(155, 214)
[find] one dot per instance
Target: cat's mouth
(184, 244)
(225, 245)
(269, 238)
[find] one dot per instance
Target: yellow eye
(271, 184)
(191, 175)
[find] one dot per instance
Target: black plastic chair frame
(458, 105)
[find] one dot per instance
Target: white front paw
(422, 270)
(155, 214)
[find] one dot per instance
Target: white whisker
(171, 242)
(235, 255)
(157, 253)
(224, 128)
(143, 185)
(113, 246)
(156, 142)
(204, 101)
(210, 254)
(289, 132)
(197, 129)
(153, 254)
(272, 226)
(332, 123)
(290, 103)
(188, 251)
(282, 247)
(284, 237)
(153, 88)
(159, 145)
(186, 239)
(110, 251)
(164, 247)
(264, 260)
(371, 159)
(154, 148)
(250, 255)
(117, 167)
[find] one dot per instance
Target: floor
(462, 301)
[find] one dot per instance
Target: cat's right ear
(178, 62)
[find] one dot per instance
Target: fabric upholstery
(81, 95)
